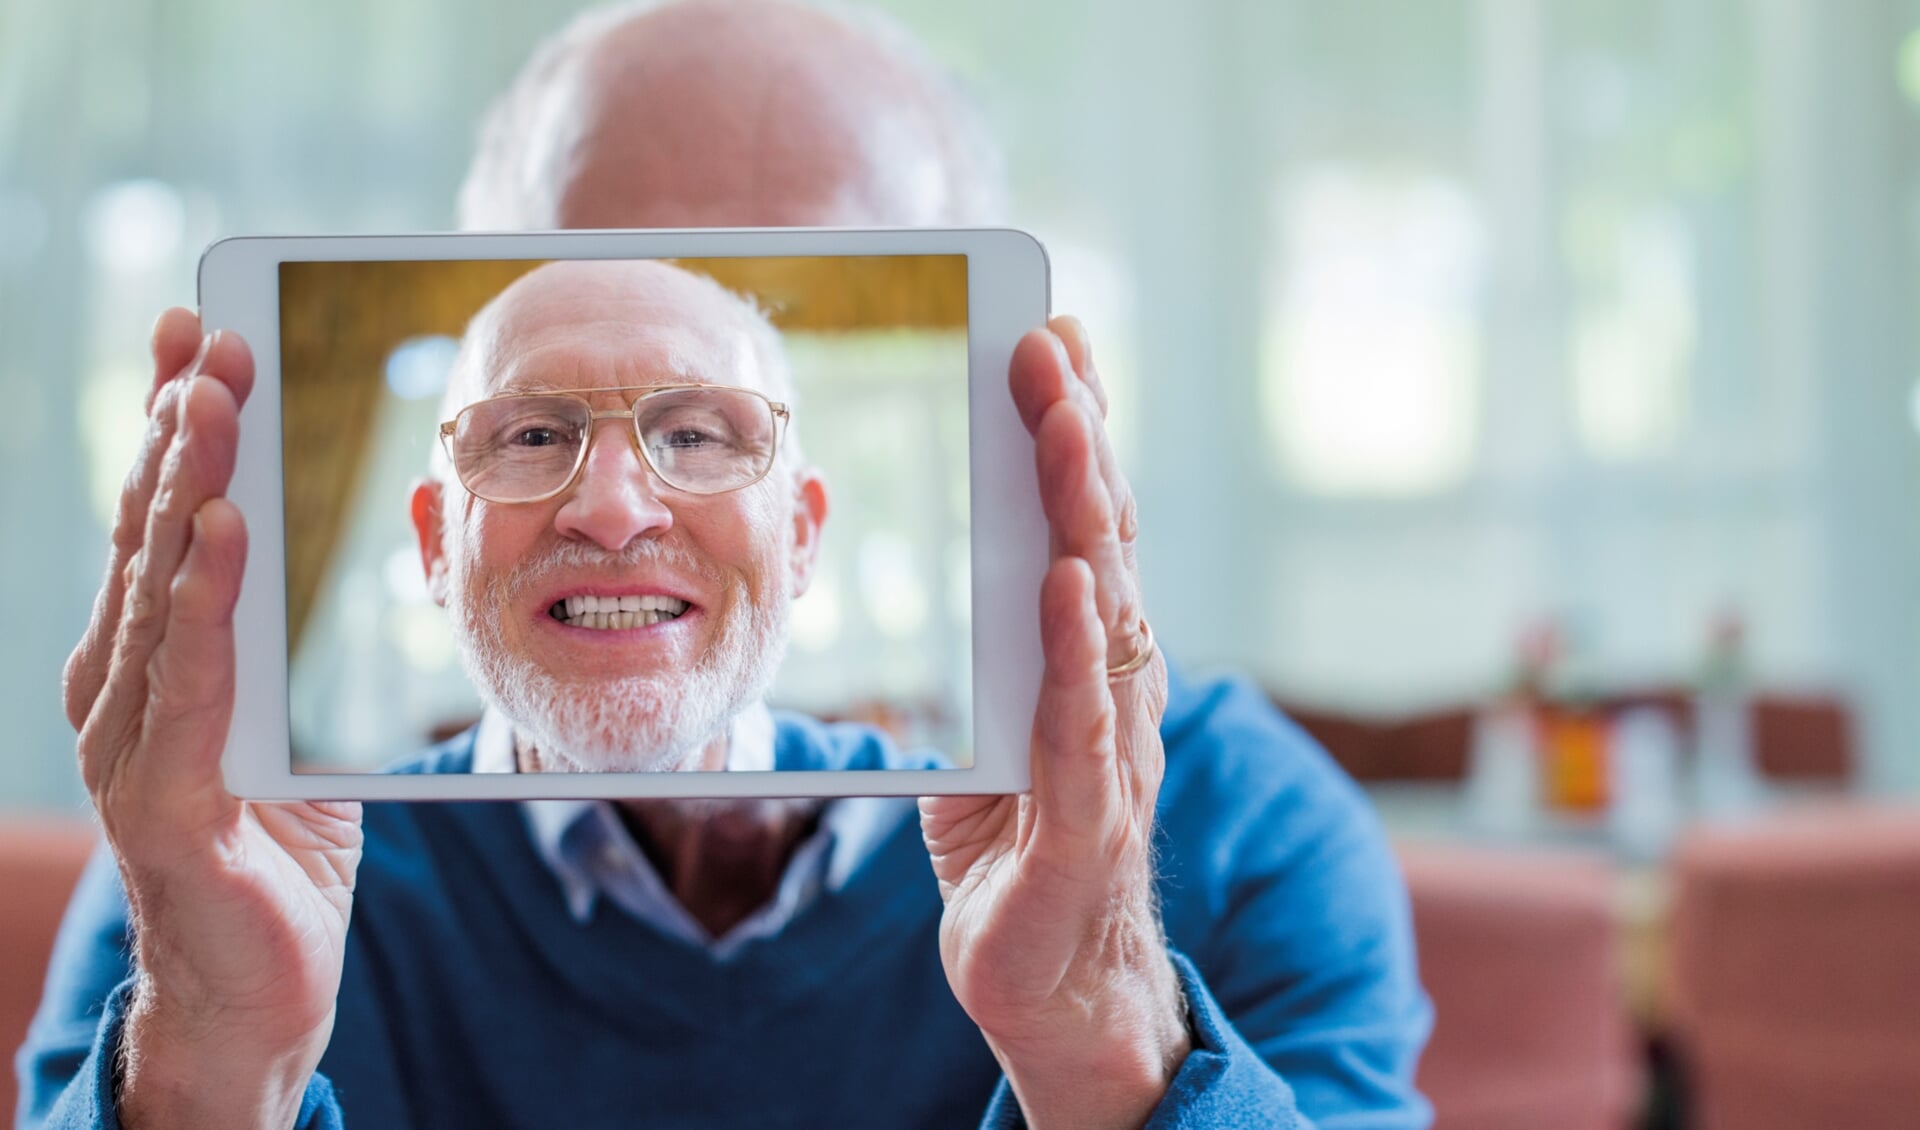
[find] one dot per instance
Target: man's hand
(1051, 937)
(239, 910)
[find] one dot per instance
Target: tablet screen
(620, 504)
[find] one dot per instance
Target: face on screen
(618, 504)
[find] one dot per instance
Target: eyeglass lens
(701, 440)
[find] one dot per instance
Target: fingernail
(1080, 339)
(1066, 356)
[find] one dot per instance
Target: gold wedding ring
(1139, 660)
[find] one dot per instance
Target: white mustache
(574, 555)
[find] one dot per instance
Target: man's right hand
(239, 909)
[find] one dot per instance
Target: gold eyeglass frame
(778, 410)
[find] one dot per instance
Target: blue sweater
(471, 998)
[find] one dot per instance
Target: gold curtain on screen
(338, 323)
(850, 292)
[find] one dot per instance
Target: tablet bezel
(1007, 295)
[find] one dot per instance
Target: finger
(1073, 726)
(177, 350)
(177, 780)
(1079, 349)
(198, 466)
(229, 360)
(221, 355)
(176, 343)
(1042, 372)
(1081, 519)
(1049, 367)
(1073, 336)
(1039, 376)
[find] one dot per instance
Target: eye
(685, 437)
(535, 430)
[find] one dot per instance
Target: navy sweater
(472, 999)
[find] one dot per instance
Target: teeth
(620, 612)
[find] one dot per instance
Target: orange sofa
(1520, 952)
(1795, 971)
(40, 858)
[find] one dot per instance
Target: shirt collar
(591, 854)
(581, 841)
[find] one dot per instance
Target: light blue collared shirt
(593, 856)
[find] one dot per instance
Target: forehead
(698, 115)
(598, 326)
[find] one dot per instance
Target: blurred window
(1372, 352)
(1421, 319)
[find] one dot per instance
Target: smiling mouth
(616, 612)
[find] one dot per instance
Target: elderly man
(714, 542)
(1224, 946)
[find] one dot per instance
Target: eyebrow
(579, 392)
(528, 379)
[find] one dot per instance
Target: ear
(809, 515)
(430, 527)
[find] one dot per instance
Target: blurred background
(1525, 392)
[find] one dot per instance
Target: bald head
(602, 323)
(729, 113)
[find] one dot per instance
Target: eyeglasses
(528, 447)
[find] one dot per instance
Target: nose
(617, 497)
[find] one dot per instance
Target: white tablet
(634, 514)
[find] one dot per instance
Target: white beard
(636, 723)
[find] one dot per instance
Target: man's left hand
(1051, 935)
